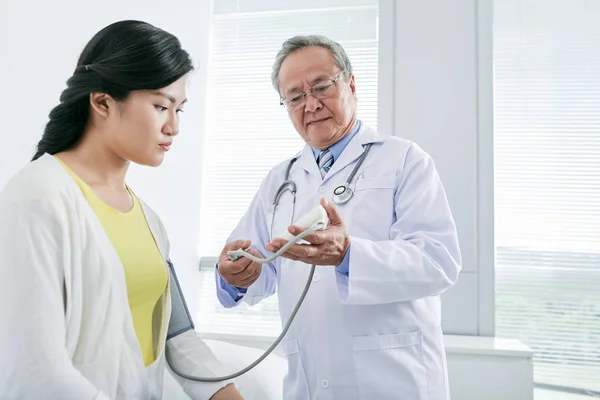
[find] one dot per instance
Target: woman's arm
(34, 362)
(190, 355)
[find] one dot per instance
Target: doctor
(370, 326)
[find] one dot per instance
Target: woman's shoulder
(41, 180)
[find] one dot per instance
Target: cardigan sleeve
(192, 356)
(36, 363)
(188, 353)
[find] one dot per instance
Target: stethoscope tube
(285, 328)
(341, 195)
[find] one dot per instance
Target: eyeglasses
(320, 91)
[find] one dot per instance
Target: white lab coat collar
(353, 150)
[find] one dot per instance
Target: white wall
(39, 47)
(435, 89)
(443, 101)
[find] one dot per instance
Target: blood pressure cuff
(180, 321)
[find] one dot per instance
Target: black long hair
(123, 57)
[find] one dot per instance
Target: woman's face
(143, 126)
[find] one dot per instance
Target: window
(547, 144)
(249, 131)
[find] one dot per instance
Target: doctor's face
(320, 121)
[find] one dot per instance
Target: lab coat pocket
(391, 367)
(295, 383)
(371, 214)
(377, 182)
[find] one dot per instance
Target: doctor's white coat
(375, 334)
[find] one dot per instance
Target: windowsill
(454, 344)
(486, 345)
(243, 340)
(544, 394)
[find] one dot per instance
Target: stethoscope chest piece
(342, 194)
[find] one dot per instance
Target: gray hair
(299, 42)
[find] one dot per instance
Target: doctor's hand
(242, 272)
(327, 247)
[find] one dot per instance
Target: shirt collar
(337, 148)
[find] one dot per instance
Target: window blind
(547, 155)
(248, 132)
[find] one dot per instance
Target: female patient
(84, 288)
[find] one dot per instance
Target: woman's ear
(101, 103)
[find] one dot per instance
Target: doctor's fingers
(302, 252)
(236, 244)
(335, 219)
(247, 264)
(318, 237)
(235, 267)
(253, 272)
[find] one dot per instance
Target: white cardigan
(66, 330)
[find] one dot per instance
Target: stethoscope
(341, 194)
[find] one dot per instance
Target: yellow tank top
(145, 269)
